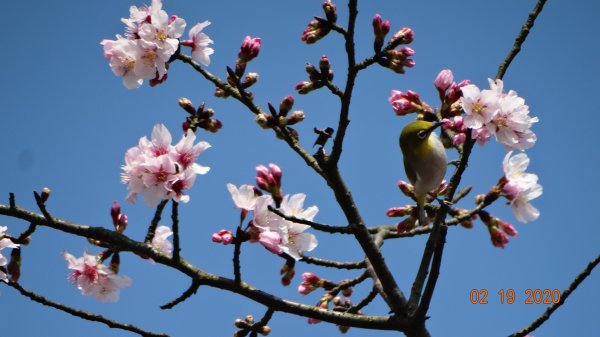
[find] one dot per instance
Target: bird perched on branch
(425, 160)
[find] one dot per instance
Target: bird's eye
(422, 134)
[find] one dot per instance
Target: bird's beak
(434, 126)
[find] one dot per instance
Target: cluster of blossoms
(520, 187)
(160, 170)
(94, 278)
(484, 113)
(494, 112)
(275, 233)
(4, 243)
(152, 37)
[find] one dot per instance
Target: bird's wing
(410, 172)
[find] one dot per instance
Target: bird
(425, 160)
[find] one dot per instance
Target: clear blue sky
(66, 122)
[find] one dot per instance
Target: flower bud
(406, 188)
(313, 73)
(347, 291)
(286, 105)
(262, 120)
(240, 323)
(187, 105)
(115, 263)
(399, 211)
(324, 65)
(499, 239)
(249, 49)
(443, 81)
(330, 11)
(296, 117)
(115, 211)
(406, 225)
(404, 103)
(287, 272)
(45, 194)
(404, 36)
(315, 31)
(264, 330)
(304, 87)
(380, 30)
(507, 228)
(454, 93)
(223, 236)
(249, 80)
(214, 126)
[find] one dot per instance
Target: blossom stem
(186, 294)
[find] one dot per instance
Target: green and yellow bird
(425, 160)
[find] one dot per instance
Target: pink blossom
(480, 106)
(244, 197)
(481, 135)
(520, 187)
(95, 279)
(199, 42)
(223, 236)
(405, 102)
(123, 56)
(161, 242)
(270, 240)
(160, 170)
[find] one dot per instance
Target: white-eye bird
(425, 160)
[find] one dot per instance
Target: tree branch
(204, 278)
(520, 38)
(334, 264)
(563, 297)
(155, 221)
(186, 294)
(82, 314)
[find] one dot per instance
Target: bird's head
(414, 136)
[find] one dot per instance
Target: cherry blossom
(161, 241)
(520, 187)
(159, 170)
(244, 197)
(480, 106)
(5, 243)
(95, 279)
(123, 55)
(310, 282)
(199, 42)
(280, 235)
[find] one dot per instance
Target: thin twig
(563, 297)
(365, 301)
(11, 199)
(520, 38)
(175, 219)
(236, 255)
(334, 264)
(155, 221)
(82, 314)
(263, 321)
(315, 225)
(186, 294)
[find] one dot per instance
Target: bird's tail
(421, 200)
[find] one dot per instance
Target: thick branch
(203, 278)
(82, 314)
(563, 297)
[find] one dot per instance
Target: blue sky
(66, 122)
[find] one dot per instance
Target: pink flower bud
(309, 283)
(270, 240)
(296, 117)
(324, 65)
(399, 211)
(286, 105)
(459, 139)
(443, 81)
(223, 236)
(330, 10)
(249, 49)
(454, 93)
(406, 188)
(507, 228)
(405, 102)
(315, 30)
(276, 173)
(404, 36)
(304, 87)
(406, 225)
(499, 239)
(115, 211)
